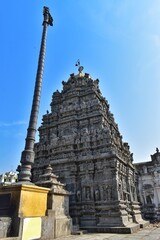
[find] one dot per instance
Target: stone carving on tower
(81, 141)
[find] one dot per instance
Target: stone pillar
(27, 157)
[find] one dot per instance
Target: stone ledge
(10, 238)
(79, 232)
(123, 230)
(144, 224)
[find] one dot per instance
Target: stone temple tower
(81, 141)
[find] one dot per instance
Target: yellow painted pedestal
(26, 204)
(26, 200)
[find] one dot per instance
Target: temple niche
(148, 176)
(81, 141)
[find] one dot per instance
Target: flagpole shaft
(27, 157)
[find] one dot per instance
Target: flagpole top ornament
(80, 68)
(47, 16)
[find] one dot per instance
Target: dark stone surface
(5, 201)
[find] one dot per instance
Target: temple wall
(149, 187)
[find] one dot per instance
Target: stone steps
(10, 238)
(79, 232)
(132, 228)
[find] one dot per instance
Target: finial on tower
(80, 68)
(47, 16)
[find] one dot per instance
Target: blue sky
(116, 41)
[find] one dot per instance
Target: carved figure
(148, 199)
(78, 195)
(109, 194)
(120, 192)
(88, 193)
(97, 195)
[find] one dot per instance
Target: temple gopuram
(81, 141)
